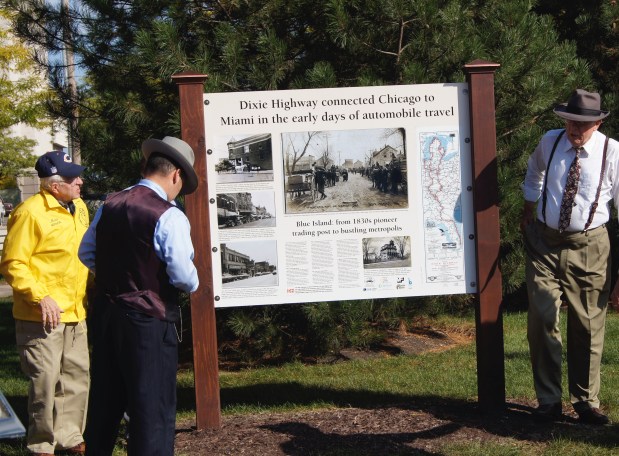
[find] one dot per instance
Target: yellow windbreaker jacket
(40, 257)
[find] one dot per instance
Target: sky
(345, 144)
(264, 199)
(262, 250)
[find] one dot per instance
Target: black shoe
(548, 412)
(593, 416)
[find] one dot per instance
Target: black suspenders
(552, 154)
(594, 206)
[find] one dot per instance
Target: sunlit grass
(425, 378)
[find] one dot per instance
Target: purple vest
(127, 268)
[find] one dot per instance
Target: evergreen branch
(531, 121)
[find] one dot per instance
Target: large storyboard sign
(340, 194)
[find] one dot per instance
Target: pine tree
(129, 54)
(592, 26)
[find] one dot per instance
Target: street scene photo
(243, 158)
(254, 209)
(249, 264)
(348, 170)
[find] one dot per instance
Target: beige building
(52, 137)
(55, 136)
(384, 156)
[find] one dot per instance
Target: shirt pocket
(588, 183)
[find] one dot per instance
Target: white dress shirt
(590, 164)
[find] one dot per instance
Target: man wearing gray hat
(49, 295)
(572, 176)
(139, 248)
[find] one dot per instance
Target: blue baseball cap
(57, 163)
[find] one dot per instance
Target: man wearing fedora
(572, 176)
(139, 248)
(49, 295)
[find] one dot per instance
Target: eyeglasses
(582, 125)
(70, 181)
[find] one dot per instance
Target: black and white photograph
(347, 170)
(255, 209)
(249, 264)
(386, 252)
(243, 158)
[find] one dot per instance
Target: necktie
(70, 206)
(571, 188)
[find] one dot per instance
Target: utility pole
(67, 36)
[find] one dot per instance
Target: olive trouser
(571, 268)
(57, 365)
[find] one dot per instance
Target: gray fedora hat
(582, 106)
(178, 151)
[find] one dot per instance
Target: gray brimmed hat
(178, 151)
(582, 106)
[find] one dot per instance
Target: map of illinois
(442, 210)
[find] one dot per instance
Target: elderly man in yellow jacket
(49, 286)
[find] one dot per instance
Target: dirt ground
(420, 428)
(404, 429)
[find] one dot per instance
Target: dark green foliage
(130, 51)
(309, 331)
(335, 325)
(593, 27)
(262, 334)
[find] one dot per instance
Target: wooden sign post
(204, 330)
(488, 312)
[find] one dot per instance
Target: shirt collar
(50, 199)
(589, 147)
(158, 189)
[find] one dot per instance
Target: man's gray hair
(46, 182)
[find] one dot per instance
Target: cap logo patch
(67, 159)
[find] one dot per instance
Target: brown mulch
(420, 428)
(402, 429)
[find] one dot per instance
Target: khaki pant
(57, 365)
(573, 268)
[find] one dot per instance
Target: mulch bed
(404, 429)
(420, 428)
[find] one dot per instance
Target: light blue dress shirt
(172, 242)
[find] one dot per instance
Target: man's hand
(50, 312)
(528, 215)
(614, 297)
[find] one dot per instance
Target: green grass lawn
(446, 376)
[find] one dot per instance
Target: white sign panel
(340, 194)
